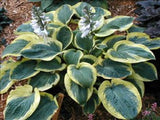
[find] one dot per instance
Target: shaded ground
(19, 11)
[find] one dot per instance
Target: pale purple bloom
(146, 113)
(154, 106)
(39, 23)
(90, 116)
(87, 23)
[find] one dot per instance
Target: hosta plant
(90, 62)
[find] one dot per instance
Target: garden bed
(20, 12)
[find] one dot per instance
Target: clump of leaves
(90, 63)
(50, 5)
(4, 20)
(149, 16)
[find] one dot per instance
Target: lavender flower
(154, 106)
(39, 22)
(146, 113)
(90, 116)
(87, 23)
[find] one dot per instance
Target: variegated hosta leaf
(142, 38)
(5, 82)
(85, 43)
(120, 98)
(46, 109)
(15, 47)
(23, 69)
(109, 69)
(92, 104)
(44, 80)
(110, 41)
(65, 36)
(99, 3)
(79, 7)
(72, 56)
(43, 51)
(96, 51)
(101, 46)
(144, 71)
(52, 29)
(136, 28)
(21, 103)
(83, 74)
(79, 94)
(103, 12)
(118, 23)
(64, 14)
(51, 66)
(89, 59)
(19, 44)
(129, 52)
(137, 83)
(50, 15)
(24, 28)
(53, 25)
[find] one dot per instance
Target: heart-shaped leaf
(79, 8)
(72, 56)
(83, 74)
(85, 43)
(64, 14)
(65, 36)
(76, 92)
(120, 98)
(21, 103)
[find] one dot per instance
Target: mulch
(20, 11)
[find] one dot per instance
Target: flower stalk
(89, 22)
(39, 22)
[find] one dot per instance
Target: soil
(20, 11)
(122, 7)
